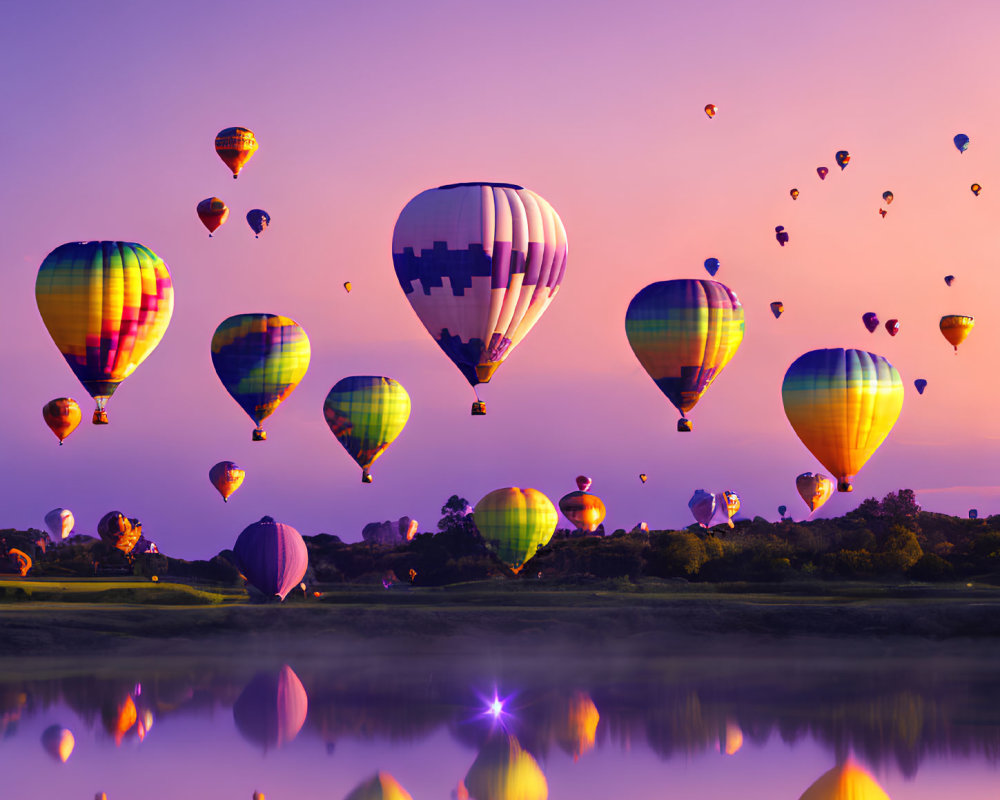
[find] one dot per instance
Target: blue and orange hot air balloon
(843, 159)
(976, 189)
(226, 477)
(479, 263)
(235, 146)
(684, 332)
(106, 306)
(260, 359)
(842, 404)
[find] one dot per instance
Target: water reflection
(381, 786)
(849, 781)
(272, 708)
(503, 770)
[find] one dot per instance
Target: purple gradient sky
(109, 114)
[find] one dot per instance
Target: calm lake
(499, 718)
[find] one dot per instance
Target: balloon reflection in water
(503, 770)
(381, 786)
(846, 782)
(58, 742)
(272, 708)
(577, 733)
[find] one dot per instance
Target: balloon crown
(267, 519)
(481, 183)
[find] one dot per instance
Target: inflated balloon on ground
(514, 523)
(272, 556)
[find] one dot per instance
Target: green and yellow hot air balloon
(515, 523)
(366, 413)
(684, 332)
(842, 404)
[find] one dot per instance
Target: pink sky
(108, 126)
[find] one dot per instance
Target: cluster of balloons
(585, 510)
(710, 509)
(235, 147)
(871, 322)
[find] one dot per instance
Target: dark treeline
(888, 539)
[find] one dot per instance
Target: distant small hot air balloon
(62, 415)
(347, 286)
(883, 212)
(712, 266)
(272, 556)
(58, 742)
(921, 384)
(226, 477)
(782, 510)
(781, 235)
(955, 328)
(642, 477)
(822, 172)
(795, 194)
(258, 220)
(711, 110)
(961, 142)
(814, 489)
(887, 196)
(973, 513)
(777, 308)
(583, 483)
(870, 319)
(702, 505)
(843, 158)
(976, 189)
(949, 279)
(235, 146)
(60, 522)
(213, 213)
(892, 325)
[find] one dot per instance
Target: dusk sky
(109, 116)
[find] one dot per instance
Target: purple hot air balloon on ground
(272, 556)
(870, 319)
(702, 505)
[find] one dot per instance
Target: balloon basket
(259, 435)
(479, 409)
(100, 417)
(844, 486)
(683, 425)
(366, 477)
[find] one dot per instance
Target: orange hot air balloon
(955, 328)
(795, 194)
(226, 477)
(62, 415)
(642, 477)
(711, 109)
(235, 146)
(814, 489)
(119, 531)
(212, 212)
(586, 511)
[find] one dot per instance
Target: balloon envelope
(271, 709)
(702, 505)
(62, 415)
(973, 513)
(711, 110)
(583, 483)
(213, 213)
(961, 142)
(260, 359)
(712, 266)
(795, 194)
(119, 531)
(815, 490)
(822, 172)
(586, 511)
(976, 189)
(843, 158)
(226, 477)
(949, 279)
(58, 742)
(887, 196)
(870, 320)
(782, 510)
(515, 522)
(684, 332)
(60, 522)
(921, 384)
(479, 263)
(258, 220)
(235, 146)
(955, 328)
(777, 308)
(892, 326)
(106, 306)
(842, 404)
(272, 556)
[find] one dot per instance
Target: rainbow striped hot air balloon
(479, 263)
(366, 413)
(515, 523)
(106, 306)
(842, 404)
(684, 332)
(260, 359)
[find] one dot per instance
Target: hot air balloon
(20, 560)
(515, 522)
(973, 513)
(846, 782)
(731, 501)
(921, 384)
(777, 308)
(822, 172)
(586, 511)
(712, 266)
(684, 332)
(226, 477)
(119, 531)
(58, 742)
(949, 279)
(366, 413)
(60, 522)
(870, 319)
(710, 110)
(702, 505)
(887, 196)
(258, 220)
(503, 770)
(892, 325)
(260, 359)
(235, 146)
(782, 510)
(106, 306)
(62, 415)
(272, 708)
(642, 477)
(781, 235)
(272, 556)
(347, 286)
(814, 489)
(961, 142)
(381, 786)
(795, 194)
(955, 328)
(407, 528)
(843, 158)
(976, 189)
(213, 213)
(479, 263)
(842, 404)
(583, 483)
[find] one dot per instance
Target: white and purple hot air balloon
(702, 505)
(272, 556)
(60, 521)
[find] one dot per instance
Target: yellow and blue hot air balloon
(260, 359)
(684, 332)
(106, 306)
(842, 404)
(235, 146)
(366, 413)
(479, 263)
(515, 522)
